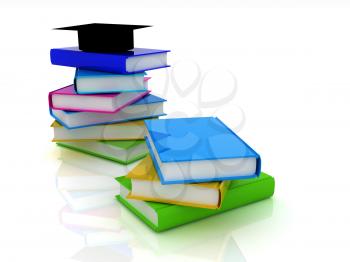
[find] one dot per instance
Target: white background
(292, 63)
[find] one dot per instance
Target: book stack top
(110, 83)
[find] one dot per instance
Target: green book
(122, 151)
(161, 216)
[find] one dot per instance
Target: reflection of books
(98, 226)
(100, 218)
(231, 252)
(160, 216)
(95, 164)
(108, 253)
(216, 228)
(70, 177)
(82, 200)
(93, 237)
(80, 171)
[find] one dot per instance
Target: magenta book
(66, 98)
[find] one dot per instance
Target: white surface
(292, 69)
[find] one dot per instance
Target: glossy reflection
(112, 233)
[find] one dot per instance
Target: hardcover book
(161, 216)
(66, 98)
(146, 186)
(95, 82)
(147, 107)
(200, 149)
(133, 61)
(132, 130)
(122, 151)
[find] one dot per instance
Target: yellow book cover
(145, 185)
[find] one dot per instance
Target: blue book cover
(149, 106)
(200, 149)
(98, 82)
(134, 61)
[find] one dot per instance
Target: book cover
(195, 195)
(199, 149)
(121, 151)
(149, 106)
(96, 82)
(134, 61)
(66, 98)
(160, 216)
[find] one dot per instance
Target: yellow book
(145, 185)
(132, 130)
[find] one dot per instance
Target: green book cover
(122, 151)
(160, 216)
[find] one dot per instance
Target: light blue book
(95, 82)
(200, 149)
(147, 107)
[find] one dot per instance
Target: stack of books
(99, 118)
(197, 167)
(170, 171)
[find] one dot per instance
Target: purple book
(66, 98)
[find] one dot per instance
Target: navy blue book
(200, 149)
(134, 61)
(147, 107)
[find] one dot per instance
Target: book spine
(50, 100)
(92, 61)
(240, 196)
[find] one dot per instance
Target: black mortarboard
(105, 38)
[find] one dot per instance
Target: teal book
(122, 151)
(161, 216)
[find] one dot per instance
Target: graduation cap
(105, 38)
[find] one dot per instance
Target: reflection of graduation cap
(105, 38)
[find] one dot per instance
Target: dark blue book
(200, 149)
(134, 61)
(147, 107)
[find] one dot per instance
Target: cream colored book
(132, 130)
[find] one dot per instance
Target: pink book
(66, 98)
